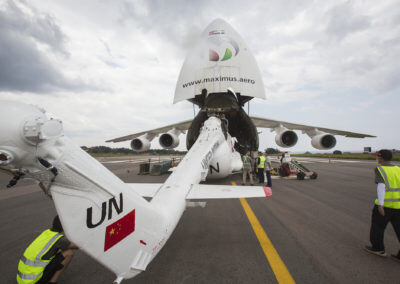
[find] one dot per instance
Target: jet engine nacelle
(323, 141)
(140, 144)
(170, 139)
(285, 138)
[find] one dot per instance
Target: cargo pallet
(158, 168)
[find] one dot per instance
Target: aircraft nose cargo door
(217, 79)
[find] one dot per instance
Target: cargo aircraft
(220, 75)
(124, 226)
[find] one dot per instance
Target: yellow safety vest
(261, 163)
(245, 162)
(391, 176)
(31, 264)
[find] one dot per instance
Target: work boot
(396, 256)
(370, 249)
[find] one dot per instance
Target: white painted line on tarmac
(289, 177)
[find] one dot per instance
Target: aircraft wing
(207, 191)
(184, 125)
(271, 123)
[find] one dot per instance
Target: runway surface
(317, 227)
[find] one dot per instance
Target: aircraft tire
(300, 176)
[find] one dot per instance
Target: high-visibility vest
(262, 162)
(246, 162)
(31, 264)
(391, 176)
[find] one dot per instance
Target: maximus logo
(112, 203)
(222, 42)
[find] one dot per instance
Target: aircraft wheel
(300, 176)
(282, 172)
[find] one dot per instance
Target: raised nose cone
(218, 61)
(218, 23)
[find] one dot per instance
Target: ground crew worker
(282, 157)
(247, 168)
(47, 257)
(268, 168)
(387, 205)
(260, 167)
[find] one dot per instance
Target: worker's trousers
(260, 173)
(378, 225)
(269, 180)
(247, 171)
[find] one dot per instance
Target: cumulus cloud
(167, 19)
(324, 63)
(30, 41)
(344, 21)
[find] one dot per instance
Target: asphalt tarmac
(317, 227)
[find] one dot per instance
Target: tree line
(127, 151)
(277, 151)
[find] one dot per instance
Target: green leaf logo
(219, 38)
(228, 54)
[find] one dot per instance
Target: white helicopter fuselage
(101, 214)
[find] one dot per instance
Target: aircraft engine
(169, 140)
(285, 137)
(323, 141)
(140, 144)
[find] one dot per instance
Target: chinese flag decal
(119, 230)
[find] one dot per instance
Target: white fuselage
(90, 199)
(225, 161)
(193, 168)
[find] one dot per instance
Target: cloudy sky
(109, 68)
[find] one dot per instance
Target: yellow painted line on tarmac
(282, 274)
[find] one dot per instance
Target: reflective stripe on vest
(28, 276)
(391, 176)
(262, 162)
(31, 264)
